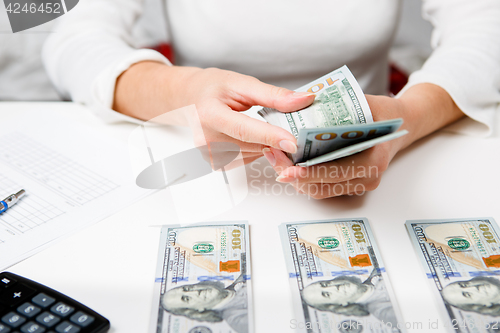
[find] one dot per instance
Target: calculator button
(48, 319)
(66, 327)
(43, 300)
(28, 309)
(62, 309)
(6, 282)
(16, 294)
(81, 319)
(4, 329)
(13, 319)
(32, 327)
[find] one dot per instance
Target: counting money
(321, 143)
(339, 102)
(203, 275)
(461, 258)
(338, 280)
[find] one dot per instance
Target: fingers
(244, 128)
(278, 160)
(248, 160)
(327, 185)
(245, 147)
(368, 164)
(251, 156)
(256, 92)
(332, 172)
(244, 158)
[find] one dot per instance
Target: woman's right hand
(149, 89)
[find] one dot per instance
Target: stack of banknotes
(339, 123)
(337, 277)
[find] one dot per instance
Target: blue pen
(11, 200)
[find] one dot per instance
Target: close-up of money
(321, 144)
(461, 259)
(203, 280)
(338, 280)
(339, 101)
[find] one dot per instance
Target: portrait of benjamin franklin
(479, 294)
(210, 301)
(348, 295)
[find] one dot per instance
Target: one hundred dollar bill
(461, 258)
(338, 280)
(203, 280)
(321, 144)
(339, 101)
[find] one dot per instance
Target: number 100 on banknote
(338, 280)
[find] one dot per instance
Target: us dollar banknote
(339, 101)
(326, 144)
(461, 259)
(338, 280)
(202, 283)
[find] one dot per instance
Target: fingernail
(286, 179)
(269, 155)
(303, 94)
(288, 146)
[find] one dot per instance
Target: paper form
(72, 175)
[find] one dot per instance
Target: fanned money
(338, 280)
(322, 145)
(339, 102)
(203, 275)
(461, 258)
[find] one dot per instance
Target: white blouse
(286, 43)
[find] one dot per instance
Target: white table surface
(110, 266)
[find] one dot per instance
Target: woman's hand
(424, 109)
(150, 89)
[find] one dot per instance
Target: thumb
(281, 99)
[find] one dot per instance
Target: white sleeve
(91, 47)
(466, 59)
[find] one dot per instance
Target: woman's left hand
(362, 172)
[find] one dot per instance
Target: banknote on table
(203, 280)
(338, 280)
(461, 258)
(339, 102)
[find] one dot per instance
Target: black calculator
(30, 307)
